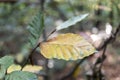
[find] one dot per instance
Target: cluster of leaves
(63, 46)
(17, 22)
(58, 47)
(5, 63)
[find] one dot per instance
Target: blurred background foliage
(15, 15)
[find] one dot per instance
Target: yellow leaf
(13, 67)
(77, 72)
(31, 68)
(67, 46)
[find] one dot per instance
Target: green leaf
(72, 21)
(36, 28)
(21, 75)
(5, 62)
(2, 71)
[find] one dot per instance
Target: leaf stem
(30, 55)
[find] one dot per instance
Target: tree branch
(100, 60)
(112, 37)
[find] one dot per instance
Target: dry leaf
(13, 67)
(31, 68)
(67, 46)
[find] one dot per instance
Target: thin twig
(51, 33)
(104, 46)
(100, 67)
(29, 57)
(97, 70)
(101, 59)
(112, 37)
